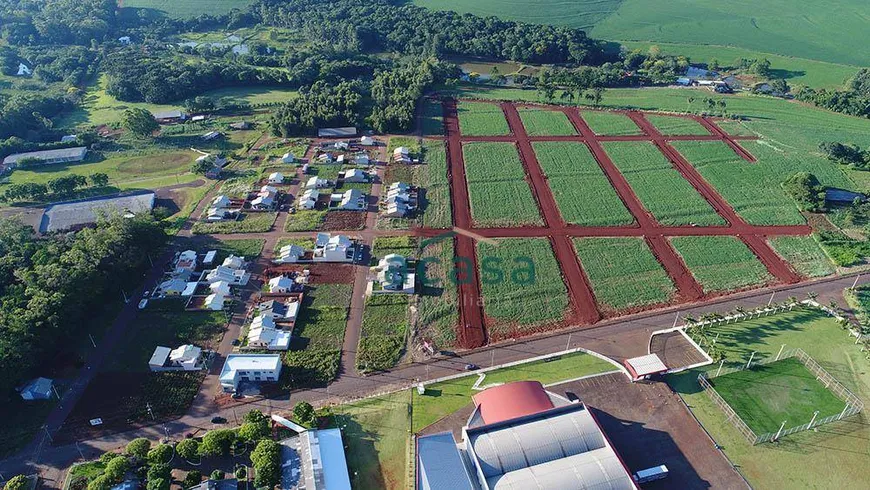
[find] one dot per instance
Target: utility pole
(720, 367)
(815, 414)
(750, 360)
(126, 300)
(80, 450)
(492, 358)
(771, 298)
(675, 320)
(776, 437)
(150, 412)
(854, 284)
(780, 352)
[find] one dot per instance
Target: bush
(160, 454)
(311, 367)
(187, 449)
(116, 469)
(216, 475)
(217, 442)
(158, 484)
(806, 190)
(159, 471)
(241, 473)
(138, 448)
(256, 426)
(304, 414)
(192, 479)
(100, 483)
(17, 482)
(379, 352)
(266, 458)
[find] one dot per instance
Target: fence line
(854, 405)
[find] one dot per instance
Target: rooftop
(66, 215)
(250, 362)
(646, 365)
(64, 153)
(512, 400)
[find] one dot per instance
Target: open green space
(832, 456)
(720, 263)
(188, 8)
(521, 285)
(581, 189)
(248, 223)
(675, 126)
(305, 220)
(432, 118)
(437, 305)
(543, 122)
(751, 188)
(610, 123)
(660, 187)
(384, 327)
(767, 395)
(481, 119)
(583, 14)
(804, 254)
(499, 193)
(624, 272)
(437, 212)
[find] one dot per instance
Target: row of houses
(327, 248)
(400, 201)
(266, 200)
(222, 208)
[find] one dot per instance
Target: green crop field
(384, 326)
(499, 193)
(481, 119)
(432, 118)
(785, 390)
(659, 186)
(437, 310)
(187, 8)
(249, 223)
(581, 189)
(673, 126)
(584, 13)
(516, 300)
(438, 209)
(804, 254)
(833, 456)
(541, 122)
(610, 123)
(624, 272)
(720, 263)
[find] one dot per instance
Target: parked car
(218, 420)
(471, 367)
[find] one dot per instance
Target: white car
(143, 304)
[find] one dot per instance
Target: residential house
(211, 135)
(37, 389)
(276, 178)
(316, 183)
(361, 159)
(241, 126)
(69, 138)
(221, 287)
(125, 40)
(288, 158)
(182, 358)
(341, 159)
(393, 275)
(324, 158)
(367, 141)
(290, 254)
(235, 262)
(309, 198)
(198, 118)
(214, 302)
(350, 200)
(396, 209)
(266, 198)
(167, 117)
(402, 154)
(217, 161)
(24, 70)
(233, 276)
(333, 248)
(209, 257)
(281, 312)
(221, 202)
(172, 287)
(356, 175)
(268, 338)
(249, 368)
(186, 262)
(281, 284)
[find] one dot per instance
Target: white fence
(854, 405)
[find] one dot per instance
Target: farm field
(384, 327)
(610, 123)
(432, 118)
(827, 458)
(766, 395)
(804, 254)
(542, 122)
(624, 272)
(674, 126)
(595, 202)
(437, 306)
(720, 263)
(575, 14)
(188, 8)
(499, 193)
(249, 223)
(659, 186)
(438, 208)
(515, 299)
(481, 119)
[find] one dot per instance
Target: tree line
(853, 100)
(57, 188)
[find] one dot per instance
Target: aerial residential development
(435, 245)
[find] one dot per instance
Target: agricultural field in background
(516, 300)
(432, 118)
(188, 8)
(481, 119)
(499, 193)
(659, 186)
(675, 126)
(581, 189)
(721, 263)
(439, 209)
(437, 305)
(804, 254)
(610, 123)
(542, 122)
(624, 272)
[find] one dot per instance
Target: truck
(651, 474)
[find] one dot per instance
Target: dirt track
(559, 233)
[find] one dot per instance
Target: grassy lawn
(521, 284)
(499, 194)
(249, 248)
(306, 243)
(249, 223)
(751, 188)
(437, 211)
(672, 126)
(835, 455)
(189, 8)
(659, 186)
(720, 263)
(432, 118)
(384, 327)
(581, 189)
(785, 390)
(610, 123)
(804, 254)
(542, 122)
(481, 119)
(624, 272)
(444, 398)
(437, 305)
(305, 220)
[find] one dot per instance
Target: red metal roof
(512, 400)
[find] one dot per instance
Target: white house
(367, 141)
(341, 145)
(172, 287)
(276, 178)
(394, 275)
(265, 198)
(214, 302)
(216, 214)
(340, 159)
(351, 200)
(220, 287)
(236, 277)
(337, 248)
(124, 40)
(308, 199)
(268, 338)
(288, 158)
(396, 209)
(280, 312)
(249, 367)
(280, 284)
(235, 262)
(37, 389)
(402, 154)
(211, 135)
(221, 202)
(182, 358)
(69, 138)
(186, 262)
(290, 254)
(218, 161)
(23, 70)
(356, 175)
(361, 159)
(324, 158)
(316, 183)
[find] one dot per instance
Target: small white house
(37, 389)
(182, 358)
(220, 287)
(361, 159)
(367, 141)
(211, 135)
(221, 202)
(324, 158)
(268, 338)
(23, 70)
(236, 277)
(337, 248)
(356, 175)
(173, 287)
(276, 178)
(316, 183)
(125, 40)
(351, 200)
(396, 209)
(308, 199)
(288, 158)
(263, 203)
(249, 368)
(280, 312)
(235, 262)
(214, 302)
(394, 276)
(290, 254)
(340, 159)
(280, 284)
(186, 262)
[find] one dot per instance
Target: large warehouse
(522, 437)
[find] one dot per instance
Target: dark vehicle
(236, 342)
(471, 367)
(218, 420)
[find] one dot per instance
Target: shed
(37, 389)
(344, 132)
(644, 366)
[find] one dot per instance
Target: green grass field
(767, 395)
(305, 220)
(804, 254)
(438, 208)
(187, 8)
(610, 123)
(481, 119)
(580, 187)
(720, 263)
(515, 299)
(249, 223)
(541, 122)
(498, 191)
(624, 272)
(384, 327)
(437, 307)
(674, 126)
(833, 456)
(659, 186)
(576, 14)
(433, 118)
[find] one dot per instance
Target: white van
(651, 474)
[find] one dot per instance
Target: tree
(217, 442)
(780, 85)
(714, 64)
(138, 448)
(191, 479)
(256, 426)
(201, 166)
(17, 482)
(101, 482)
(158, 471)
(139, 122)
(98, 179)
(157, 484)
(266, 458)
(806, 190)
(200, 104)
(216, 475)
(187, 449)
(689, 101)
(304, 413)
(161, 453)
(116, 469)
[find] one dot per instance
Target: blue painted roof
(439, 464)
